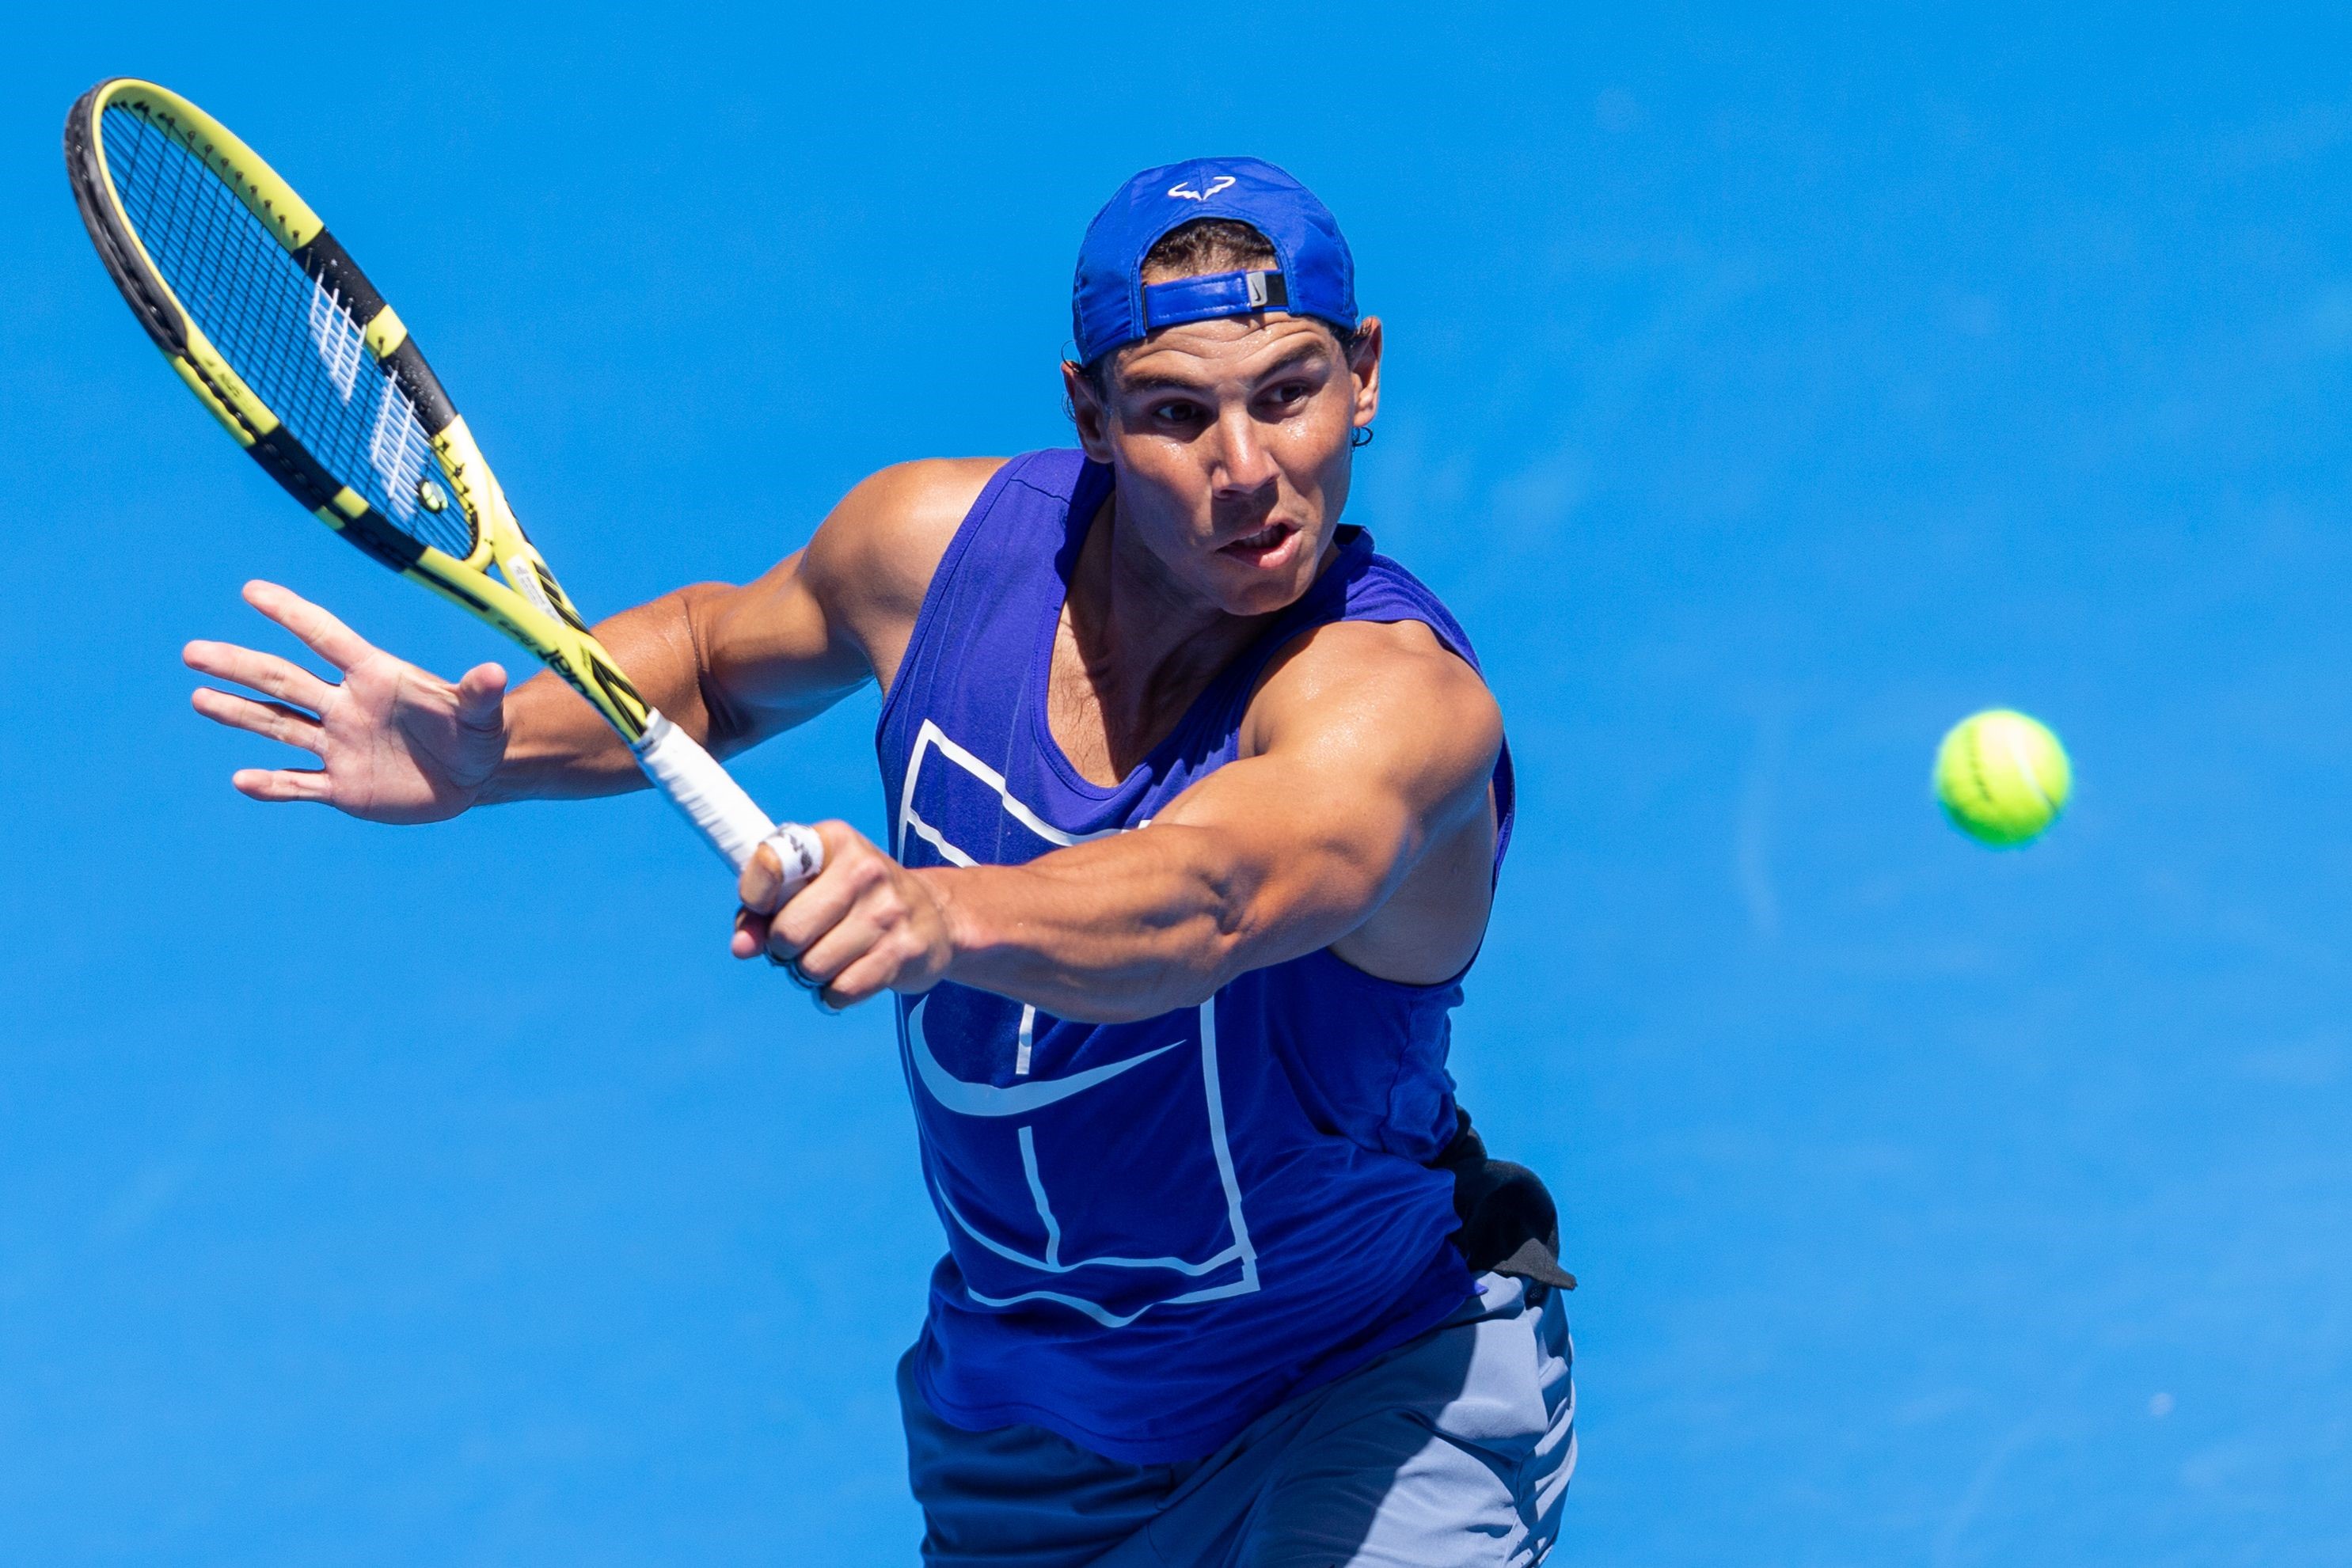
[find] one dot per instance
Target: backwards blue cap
(1313, 274)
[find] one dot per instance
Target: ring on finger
(797, 972)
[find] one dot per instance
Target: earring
(1363, 436)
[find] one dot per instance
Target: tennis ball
(2002, 778)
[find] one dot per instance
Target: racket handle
(721, 811)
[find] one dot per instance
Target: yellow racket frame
(523, 599)
(529, 605)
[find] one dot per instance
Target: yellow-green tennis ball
(2002, 778)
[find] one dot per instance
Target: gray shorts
(1451, 1451)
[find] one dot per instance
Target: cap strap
(1217, 294)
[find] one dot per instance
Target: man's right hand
(395, 743)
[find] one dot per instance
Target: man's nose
(1242, 461)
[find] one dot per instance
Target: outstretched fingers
(264, 673)
(281, 784)
(319, 630)
(273, 721)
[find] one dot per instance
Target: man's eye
(1290, 394)
(1178, 413)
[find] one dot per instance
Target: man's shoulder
(1396, 679)
(929, 489)
(908, 507)
(883, 542)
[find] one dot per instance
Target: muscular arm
(736, 665)
(558, 749)
(732, 665)
(1358, 814)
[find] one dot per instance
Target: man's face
(1230, 440)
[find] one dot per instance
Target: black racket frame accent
(149, 299)
(325, 260)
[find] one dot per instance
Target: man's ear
(1364, 364)
(1086, 410)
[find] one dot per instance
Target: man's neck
(1144, 649)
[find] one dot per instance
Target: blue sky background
(1764, 394)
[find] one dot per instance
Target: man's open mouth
(1265, 547)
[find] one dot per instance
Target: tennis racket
(275, 328)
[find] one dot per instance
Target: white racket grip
(721, 811)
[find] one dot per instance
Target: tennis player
(1195, 809)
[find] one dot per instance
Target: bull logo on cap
(1184, 190)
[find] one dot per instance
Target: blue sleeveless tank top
(1158, 1230)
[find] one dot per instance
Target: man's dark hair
(1193, 250)
(1206, 245)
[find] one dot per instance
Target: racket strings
(287, 337)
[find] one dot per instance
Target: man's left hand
(862, 925)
